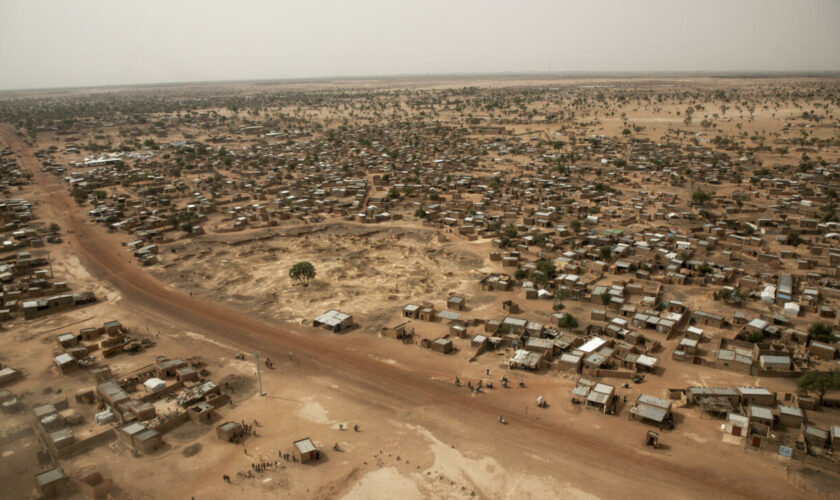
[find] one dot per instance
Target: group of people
(408, 337)
(261, 466)
(243, 433)
(478, 386)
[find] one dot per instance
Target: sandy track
(389, 386)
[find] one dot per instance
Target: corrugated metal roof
(649, 412)
(755, 391)
(332, 317)
(654, 401)
(790, 410)
(761, 412)
(305, 445)
(598, 397)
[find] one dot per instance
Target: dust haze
(45, 44)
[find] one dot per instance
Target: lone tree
(567, 321)
(819, 383)
(304, 272)
(701, 197)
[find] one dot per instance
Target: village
(212, 285)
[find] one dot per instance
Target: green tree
(509, 231)
(701, 197)
(567, 321)
(420, 213)
(545, 270)
(605, 298)
(575, 226)
(605, 252)
(304, 272)
(822, 332)
(819, 383)
(792, 238)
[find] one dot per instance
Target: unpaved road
(592, 462)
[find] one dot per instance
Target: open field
(362, 269)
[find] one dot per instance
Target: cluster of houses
(29, 288)
(93, 345)
(755, 417)
(632, 230)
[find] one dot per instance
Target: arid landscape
(542, 287)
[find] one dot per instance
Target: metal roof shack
(334, 320)
(757, 395)
(449, 315)
(592, 344)
(651, 408)
(515, 324)
(305, 450)
(52, 482)
(525, 359)
(761, 413)
(112, 393)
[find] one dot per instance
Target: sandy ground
(363, 269)
(421, 437)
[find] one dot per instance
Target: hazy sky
(68, 43)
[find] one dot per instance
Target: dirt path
(595, 461)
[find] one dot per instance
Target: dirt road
(594, 461)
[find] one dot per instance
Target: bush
(567, 321)
(700, 197)
(822, 332)
(605, 298)
(793, 239)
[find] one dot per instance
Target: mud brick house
(456, 303)
(111, 393)
(229, 431)
(707, 319)
(757, 396)
(411, 311)
(442, 345)
(791, 417)
(52, 482)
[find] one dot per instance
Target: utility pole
(259, 378)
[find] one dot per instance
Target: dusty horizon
(460, 77)
(46, 44)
